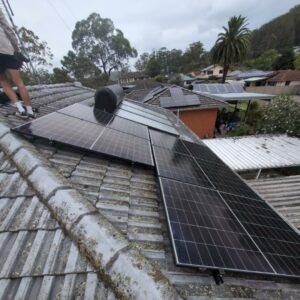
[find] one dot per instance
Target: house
(285, 78)
(212, 71)
(129, 77)
(75, 224)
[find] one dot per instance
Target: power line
(59, 15)
(69, 9)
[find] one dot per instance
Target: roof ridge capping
(118, 261)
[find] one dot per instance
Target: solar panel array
(218, 88)
(94, 130)
(215, 219)
(179, 99)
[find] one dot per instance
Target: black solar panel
(204, 231)
(215, 219)
(62, 128)
(167, 141)
(225, 180)
(178, 166)
(87, 135)
(125, 146)
(130, 127)
(276, 239)
(178, 99)
(87, 113)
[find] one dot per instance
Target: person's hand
(21, 57)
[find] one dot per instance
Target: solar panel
(145, 121)
(177, 166)
(178, 98)
(87, 113)
(157, 114)
(215, 219)
(225, 180)
(125, 146)
(205, 233)
(202, 152)
(277, 240)
(217, 88)
(62, 128)
(145, 114)
(130, 127)
(87, 135)
(176, 94)
(167, 141)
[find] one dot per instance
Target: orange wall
(202, 122)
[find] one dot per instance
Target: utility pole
(10, 14)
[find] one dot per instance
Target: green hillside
(280, 33)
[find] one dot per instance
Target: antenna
(10, 13)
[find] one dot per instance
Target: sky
(147, 24)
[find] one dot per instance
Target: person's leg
(8, 89)
(18, 81)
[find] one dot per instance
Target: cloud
(147, 24)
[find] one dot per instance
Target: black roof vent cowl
(108, 98)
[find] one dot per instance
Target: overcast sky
(148, 24)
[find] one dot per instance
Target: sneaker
(31, 116)
(22, 114)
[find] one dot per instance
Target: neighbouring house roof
(257, 152)
(205, 101)
(253, 79)
(218, 88)
(211, 67)
(75, 225)
(184, 77)
(245, 96)
(285, 75)
(249, 74)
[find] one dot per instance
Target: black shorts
(9, 62)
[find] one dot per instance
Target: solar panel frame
(87, 113)
(206, 230)
(157, 114)
(145, 114)
(145, 121)
(125, 146)
(177, 166)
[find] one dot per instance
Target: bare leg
(7, 88)
(18, 81)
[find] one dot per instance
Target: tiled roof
(206, 102)
(285, 75)
(32, 218)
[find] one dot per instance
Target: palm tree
(231, 45)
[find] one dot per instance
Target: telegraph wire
(59, 15)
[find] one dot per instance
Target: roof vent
(108, 98)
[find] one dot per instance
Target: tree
(285, 60)
(60, 76)
(99, 41)
(231, 45)
(194, 57)
(297, 62)
(282, 116)
(82, 69)
(141, 63)
(40, 57)
(267, 60)
(39, 53)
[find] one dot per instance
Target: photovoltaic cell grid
(86, 134)
(123, 145)
(62, 128)
(205, 232)
(219, 88)
(191, 178)
(178, 99)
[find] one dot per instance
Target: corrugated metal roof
(242, 96)
(257, 152)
